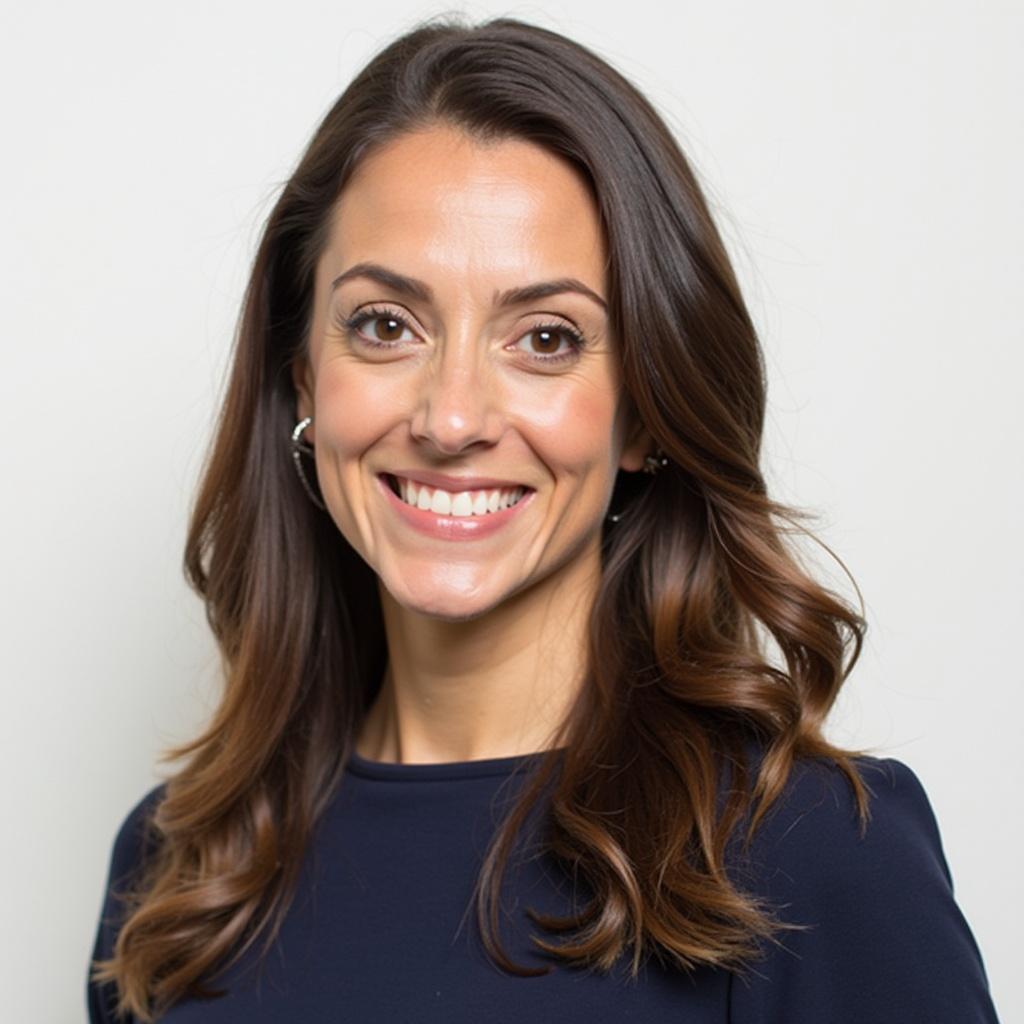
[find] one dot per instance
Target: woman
(485, 543)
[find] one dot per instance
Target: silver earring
(300, 448)
(652, 464)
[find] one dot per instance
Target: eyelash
(352, 324)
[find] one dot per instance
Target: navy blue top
(377, 932)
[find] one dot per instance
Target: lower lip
(434, 524)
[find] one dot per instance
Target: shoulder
(134, 838)
(812, 840)
(133, 842)
(878, 933)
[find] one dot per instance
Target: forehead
(440, 201)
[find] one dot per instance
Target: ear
(637, 446)
(302, 378)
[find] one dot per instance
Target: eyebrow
(422, 291)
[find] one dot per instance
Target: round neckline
(359, 765)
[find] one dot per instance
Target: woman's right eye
(395, 323)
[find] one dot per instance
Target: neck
(497, 685)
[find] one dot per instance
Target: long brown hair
(698, 579)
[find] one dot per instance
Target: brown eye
(543, 343)
(391, 331)
(549, 340)
(387, 333)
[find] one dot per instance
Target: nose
(456, 404)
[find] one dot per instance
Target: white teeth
(462, 503)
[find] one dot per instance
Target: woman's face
(450, 376)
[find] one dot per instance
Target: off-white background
(864, 164)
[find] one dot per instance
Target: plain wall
(863, 163)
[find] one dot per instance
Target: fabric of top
(382, 928)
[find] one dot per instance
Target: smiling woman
(491, 361)
(484, 512)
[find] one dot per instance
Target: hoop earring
(300, 448)
(652, 464)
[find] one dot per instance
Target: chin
(443, 599)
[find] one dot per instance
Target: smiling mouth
(478, 502)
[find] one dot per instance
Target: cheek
(577, 425)
(351, 407)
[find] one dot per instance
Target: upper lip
(456, 483)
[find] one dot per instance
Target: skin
(486, 638)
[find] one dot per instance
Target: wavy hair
(699, 580)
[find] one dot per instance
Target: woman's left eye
(551, 335)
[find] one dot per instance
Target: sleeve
(887, 942)
(126, 858)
